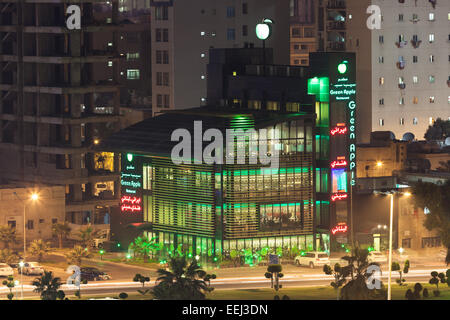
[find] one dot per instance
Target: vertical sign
(131, 184)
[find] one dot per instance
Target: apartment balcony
(402, 86)
(401, 65)
(336, 4)
(401, 44)
(336, 46)
(336, 25)
(416, 43)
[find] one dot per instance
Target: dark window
(431, 242)
(231, 34)
(245, 8)
(54, 220)
(166, 101)
(162, 13)
(41, 220)
(158, 35)
(165, 35)
(12, 223)
(230, 12)
(406, 243)
(30, 225)
(165, 57)
(244, 30)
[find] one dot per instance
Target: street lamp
(21, 264)
(34, 196)
(391, 220)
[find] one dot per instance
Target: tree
(142, 279)
(358, 287)
(340, 276)
(274, 273)
(8, 256)
(437, 278)
(7, 235)
(183, 281)
(396, 267)
(436, 198)
(9, 283)
(415, 295)
(143, 247)
(440, 130)
(61, 230)
(38, 248)
(87, 235)
(77, 254)
(48, 287)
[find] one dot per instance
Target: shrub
(123, 295)
(425, 293)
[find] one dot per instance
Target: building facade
(403, 67)
(180, 48)
(40, 214)
(54, 107)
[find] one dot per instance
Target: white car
(376, 256)
(312, 259)
(5, 270)
(32, 268)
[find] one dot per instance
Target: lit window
(380, 59)
(415, 79)
(402, 121)
(401, 80)
(203, 99)
(202, 55)
(381, 81)
(431, 58)
(202, 77)
(133, 74)
(381, 122)
(431, 16)
(415, 100)
(415, 121)
(350, 17)
(110, 44)
(401, 101)
(431, 37)
(448, 99)
(431, 121)
(431, 79)
(110, 63)
(202, 33)
(432, 99)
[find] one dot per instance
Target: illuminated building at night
(240, 206)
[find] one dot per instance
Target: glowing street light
(379, 164)
(34, 196)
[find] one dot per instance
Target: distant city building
(55, 106)
(403, 68)
(40, 214)
(184, 31)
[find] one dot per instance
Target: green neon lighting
(342, 68)
(319, 87)
(129, 157)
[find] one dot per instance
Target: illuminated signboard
(341, 228)
(340, 129)
(339, 196)
(131, 182)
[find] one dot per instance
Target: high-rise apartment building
(54, 107)
(316, 25)
(403, 68)
(184, 31)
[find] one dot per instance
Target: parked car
(32, 268)
(376, 256)
(93, 274)
(312, 259)
(6, 270)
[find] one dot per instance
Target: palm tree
(87, 235)
(38, 248)
(47, 286)
(77, 254)
(7, 235)
(61, 230)
(8, 256)
(143, 247)
(183, 281)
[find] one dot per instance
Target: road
(303, 278)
